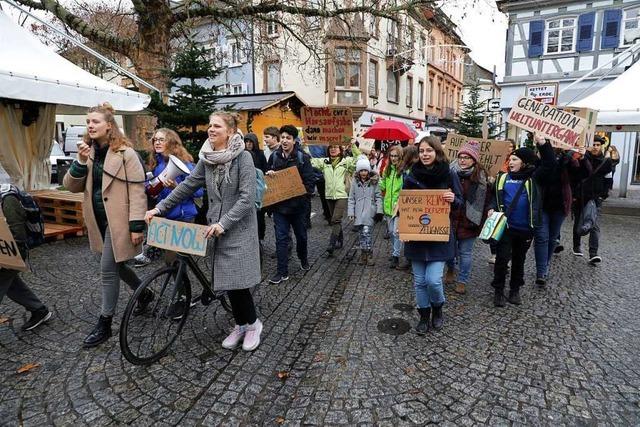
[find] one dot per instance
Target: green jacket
(390, 185)
(335, 175)
(16, 220)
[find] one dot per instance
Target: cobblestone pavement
(569, 355)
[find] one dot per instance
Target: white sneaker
(252, 337)
(234, 338)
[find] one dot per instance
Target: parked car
(56, 154)
(71, 137)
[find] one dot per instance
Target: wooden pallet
(59, 232)
(60, 207)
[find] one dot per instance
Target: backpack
(34, 223)
(261, 188)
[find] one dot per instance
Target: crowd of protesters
(536, 190)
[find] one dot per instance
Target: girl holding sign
(111, 175)
(431, 172)
(227, 171)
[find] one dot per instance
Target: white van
(72, 135)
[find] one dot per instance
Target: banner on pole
(327, 125)
(10, 257)
(177, 236)
(423, 216)
(493, 153)
(283, 185)
(563, 129)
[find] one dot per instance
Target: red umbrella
(389, 130)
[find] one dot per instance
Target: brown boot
(450, 276)
(363, 257)
(460, 288)
(370, 260)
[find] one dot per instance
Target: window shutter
(611, 29)
(536, 39)
(585, 31)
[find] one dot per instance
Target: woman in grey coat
(230, 178)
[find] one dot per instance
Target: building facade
(489, 89)
(559, 42)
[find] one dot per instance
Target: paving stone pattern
(568, 356)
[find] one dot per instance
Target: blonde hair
(174, 146)
(398, 150)
(231, 119)
(115, 138)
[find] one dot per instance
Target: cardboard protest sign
(591, 116)
(327, 125)
(546, 93)
(492, 152)
(562, 128)
(423, 216)
(10, 257)
(177, 236)
(282, 185)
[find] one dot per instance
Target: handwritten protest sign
(562, 128)
(591, 116)
(492, 152)
(423, 216)
(282, 185)
(10, 257)
(327, 125)
(177, 236)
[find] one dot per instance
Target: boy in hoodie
(365, 206)
(11, 284)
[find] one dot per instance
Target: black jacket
(298, 158)
(588, 182)
(259, 160)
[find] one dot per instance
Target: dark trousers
(512, 247)
(282, 224)
(326, 213)
(307, 212)
(12, 285)
(594, 234)
(337, 208)
(242, 306)
(262, 226)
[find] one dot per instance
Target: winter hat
(472, 149)
(363, 164)
(527, 155)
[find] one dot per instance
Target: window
(272, 82)
(409, 98)
(373, 79)
(420, 94)
(431, 50)
(411, 43)
(236, 54)
(431, 93)
(347, 69)
(238, 89)
(630, 26)
(272, 29)
(374, 27)
(392, 86)
(421, 47)
(215, 55)
(560, 35)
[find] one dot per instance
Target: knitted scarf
(475, 199)
(223, 158)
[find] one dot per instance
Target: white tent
(34, 83)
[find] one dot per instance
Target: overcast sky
(480, 24)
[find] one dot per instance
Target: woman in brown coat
(111, 175)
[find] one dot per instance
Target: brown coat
(119, 209)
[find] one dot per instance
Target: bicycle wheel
(146, 337)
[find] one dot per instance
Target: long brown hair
(174, 146)
(115, 138)
(400, 152)
(410, 155)
(434, 142)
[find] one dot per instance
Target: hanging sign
(327, 125)
(545, 93)
(423, 216)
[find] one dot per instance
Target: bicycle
(147, 336)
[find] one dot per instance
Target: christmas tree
(192, 98)
(472, 114)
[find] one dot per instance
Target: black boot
(425, 321)
(332, 245)
(144, 299)
(339, 240)
(438, 318)
(100, 333)
(394, 262)
(498, 298)
(514, 296)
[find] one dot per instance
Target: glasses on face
(154, 139)
(394, 156)
(464, 158)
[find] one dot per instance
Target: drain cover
(393, 326)
(403, 307)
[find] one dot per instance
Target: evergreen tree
(190, 101)
(472, 114)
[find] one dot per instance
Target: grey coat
(365, 200)
(236, 256)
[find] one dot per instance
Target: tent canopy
(31, 71)
(621, 95)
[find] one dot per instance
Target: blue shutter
(536, 38)
(611, 29)
(585, 31)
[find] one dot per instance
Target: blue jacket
(434, 251)
(185, 211)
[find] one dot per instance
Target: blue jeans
(283, 223)
(546, 236)
(464, 256)
(365, 237)
(427, 280)
(397, 244)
